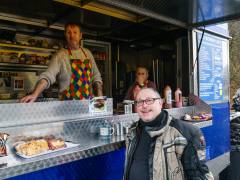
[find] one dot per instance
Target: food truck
(184, 44)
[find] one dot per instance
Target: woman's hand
(140, 80)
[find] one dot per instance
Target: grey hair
(153, 90)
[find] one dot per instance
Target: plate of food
(98, 104)
(197, 117)
(38, 147)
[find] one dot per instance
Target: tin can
(126, 111)
(116, 129)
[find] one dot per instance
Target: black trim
(150, 160)
(131, 150)
(187, 130)
(166, 162)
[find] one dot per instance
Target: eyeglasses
(148, 101)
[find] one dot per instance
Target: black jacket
(176, 152)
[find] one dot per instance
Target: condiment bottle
(167, 97)
(178, 98)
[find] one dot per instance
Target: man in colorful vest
(73, 68)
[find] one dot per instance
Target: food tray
(196, 120)
(68, 146)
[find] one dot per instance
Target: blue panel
(219, 28)
(108, 166)
(210, 9)
(218, 135)
(211, 68)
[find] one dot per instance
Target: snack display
(197, 117)
(32, 147)
(98, 104)
(56, 144)
(24, 58)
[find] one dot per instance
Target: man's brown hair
(72, 24)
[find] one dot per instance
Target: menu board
(210, 63)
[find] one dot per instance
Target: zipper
(132, 145)
(166, 164)
(150, 158)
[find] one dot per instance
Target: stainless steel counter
(65, 120)
(92, 147)
(83, 133)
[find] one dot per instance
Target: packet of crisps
(3, 140)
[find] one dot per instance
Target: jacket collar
(153, 132)
(156, 130)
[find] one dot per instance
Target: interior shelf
(27, 47)
(16, 65)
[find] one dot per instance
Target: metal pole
(154, 80)
(143, 11)
(157, 74)
(116, 66)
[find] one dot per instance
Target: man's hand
(41, 85)
(29, 98)
(97, 86)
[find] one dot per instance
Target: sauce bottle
(167, 97)
(178, 98)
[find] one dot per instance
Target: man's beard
(73, 45)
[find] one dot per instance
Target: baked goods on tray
(32, 147)
(38, 146)
(56, 144)
(197, 117)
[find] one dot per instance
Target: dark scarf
(140, 161)
(159, 122)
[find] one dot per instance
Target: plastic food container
(4, 96)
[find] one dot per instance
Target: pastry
(33, 147)
(56, 144)
(187, 117)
